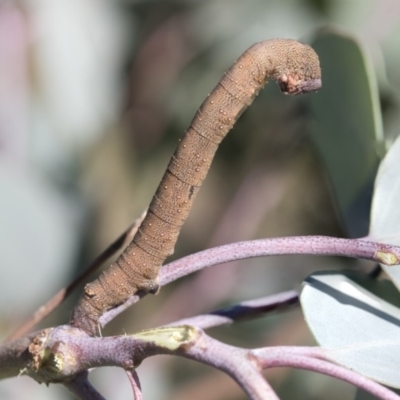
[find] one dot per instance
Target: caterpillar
(295, 67)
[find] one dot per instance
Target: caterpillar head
(293, 84)
(296, 68)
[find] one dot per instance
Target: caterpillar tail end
(86, 317)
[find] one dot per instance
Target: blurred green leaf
(348, 125)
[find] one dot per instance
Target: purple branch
(14, 357)
(79, 352)
(245, 310)
(82, 389)
(236, 362)
(65, 352)
(295, 245)
(135, 384)
(314, 359)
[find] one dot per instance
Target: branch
(234, 361)
(295, 245)
(243, 365)
(14, 357)
(56, 355)
(74, 346)
(314, 359)
(135, 384)
(82, 389)
(244, 310)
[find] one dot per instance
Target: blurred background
(94, 96)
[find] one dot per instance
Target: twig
(135, 384)
(66, 352)
(82, 389)
(245, 310)
(127, 351)
(232, 360)
(13, 357)
(313, 359)
(61, 295)
(295, 245)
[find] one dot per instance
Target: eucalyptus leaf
(348, 124)
(385, 213)
(358, 329)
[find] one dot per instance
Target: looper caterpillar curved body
(295, 67)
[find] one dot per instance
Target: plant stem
(294, 245)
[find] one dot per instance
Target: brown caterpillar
(295, 67)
